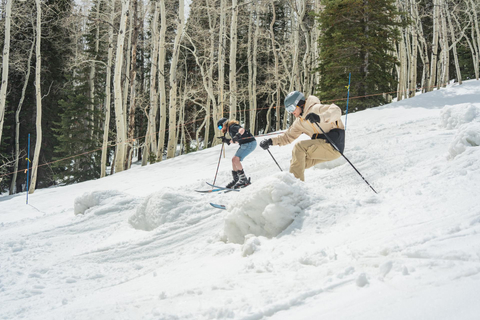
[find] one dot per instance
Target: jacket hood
(311, 101)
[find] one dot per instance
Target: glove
(225, 140)
(313, 117)
(264, 144)
(237, 137)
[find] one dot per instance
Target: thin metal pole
(275, 160)
(348, 96)
(28, 163)
(218, 165)
(333, 145)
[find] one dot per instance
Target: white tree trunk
(454, 44)
(151, 126)
(133, 76)
(433, 66)
(276, 100)
(211, 102)
(252, 65)
(221, 68)
(17, 119)
(120, 156)
(173, 95)
(476, 40)
(108, 94)
(445, 74)
(295, 82)
(38, 95)
(233, 61)
(5, 62)
(91, 77)
(413, 60)
(161, 82)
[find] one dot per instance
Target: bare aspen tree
(117, 90)
(301, 9)
(401, 69)
(91, 77)
(38, 96)
(161, 82)
(133, 76)
(436, 25)
(108, 93)
(173, 95)
(413, 58)
(276, 69)
(252, 63)
(151, 132)
(422, 46)
(206, 84)
(221, 65)
(295, 34)
(233, 61)
(475, 33)
(207, 81)
(445, 56)
(454, 43)
(316, 48)
(127, 65)
(211, 101)
(5, 62)
(17, 118)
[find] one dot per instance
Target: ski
(218, 206)
(221, 188)
(209, 191)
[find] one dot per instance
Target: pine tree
(358, 37)
(74, 135)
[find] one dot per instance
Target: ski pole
(274, 160)
(28, 163)
(333, 145)
(218, 165)
(348, 96)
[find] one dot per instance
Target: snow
(141, 244)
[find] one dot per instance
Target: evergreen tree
(358, 37)
(76, 137)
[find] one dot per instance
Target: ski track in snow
(143, 245)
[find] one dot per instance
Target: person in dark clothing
(247, 144)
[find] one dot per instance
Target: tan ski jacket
(330, 115)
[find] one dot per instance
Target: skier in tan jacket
(309, 114)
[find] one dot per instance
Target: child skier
(247, 144)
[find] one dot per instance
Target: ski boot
(234, 181)
(243, 181)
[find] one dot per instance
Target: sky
(143, 244)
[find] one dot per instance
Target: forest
(88, 88)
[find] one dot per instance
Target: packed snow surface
(142, 244)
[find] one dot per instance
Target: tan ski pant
(308, 153)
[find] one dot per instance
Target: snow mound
(266, 208)
(163, 207)
(101, 202)
(453, 117)
(467, 136)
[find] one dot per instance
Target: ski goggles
(220, 127)
(290, 108)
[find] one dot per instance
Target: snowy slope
(142, 244)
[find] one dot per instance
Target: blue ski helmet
(292, 100)
(221, 122)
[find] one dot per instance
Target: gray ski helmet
(221, 122)
(292, 99)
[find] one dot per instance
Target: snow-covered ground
(142, 244)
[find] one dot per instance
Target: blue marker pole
(28, 163)
(348, 96)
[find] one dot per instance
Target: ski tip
(218, 206)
